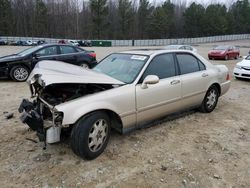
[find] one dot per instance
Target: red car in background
(224, 52)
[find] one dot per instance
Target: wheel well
(217, 86)
(115, 119)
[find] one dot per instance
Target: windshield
(123, 67)
(248, 57)
(221, 48)
(29, 51)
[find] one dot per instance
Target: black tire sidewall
(80, 135)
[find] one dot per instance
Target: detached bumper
(32, 118)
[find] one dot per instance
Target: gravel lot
(194, 150)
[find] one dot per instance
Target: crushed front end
(41, 115)
(42, 118)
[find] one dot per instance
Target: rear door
(68, 54)
(164, 97)
(194, 77)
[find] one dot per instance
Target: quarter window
(162, 66)
(67, 50)
(189, 63)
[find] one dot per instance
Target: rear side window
(189, 63)
(67, 49)
(162, 66)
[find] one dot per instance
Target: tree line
(121, 19)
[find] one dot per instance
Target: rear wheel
(85, 65)
(90, 135)
(210, 101)
(19, 73)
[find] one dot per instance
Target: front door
(162, 98)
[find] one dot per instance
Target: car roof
(54, 44)
(152, 51)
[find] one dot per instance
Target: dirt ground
(194, 150)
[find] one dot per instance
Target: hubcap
(98, 135)
(21, 74)
(211, 99)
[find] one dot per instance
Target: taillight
(92, 54)
(228, 76)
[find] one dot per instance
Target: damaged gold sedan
(125, 91)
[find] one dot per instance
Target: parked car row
(84, 43)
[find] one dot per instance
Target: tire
(226, 57)
(19, 73)
(90, 135)
(210, 100)
(210, 58)
(85, 65)
(237, 56)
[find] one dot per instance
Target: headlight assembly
(238, 67)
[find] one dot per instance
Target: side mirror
(150, 79)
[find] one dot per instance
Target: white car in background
(242, 69)
(181, 47)
(73, 42)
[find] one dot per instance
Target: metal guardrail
(153, 42)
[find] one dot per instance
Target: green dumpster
(102, 43)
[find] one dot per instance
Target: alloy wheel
(97, 135)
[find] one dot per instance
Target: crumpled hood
(55, 72)
(244, 63)
(13, 57)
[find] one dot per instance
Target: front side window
(52, 50)
(67, 49)
(189, 63)
(162, 66)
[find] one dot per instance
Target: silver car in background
(124, 91)
(181, 47)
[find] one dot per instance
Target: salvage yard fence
(153, 42)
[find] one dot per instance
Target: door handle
(174, 82)
(204, 75)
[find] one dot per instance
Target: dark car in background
(84, 43)
(2, 42)
(18, 66)
(224, 52)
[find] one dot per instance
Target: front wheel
(19, 73)
(90, 135)
(210, 101)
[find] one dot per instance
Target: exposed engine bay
(43, 106)
(59, 93)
